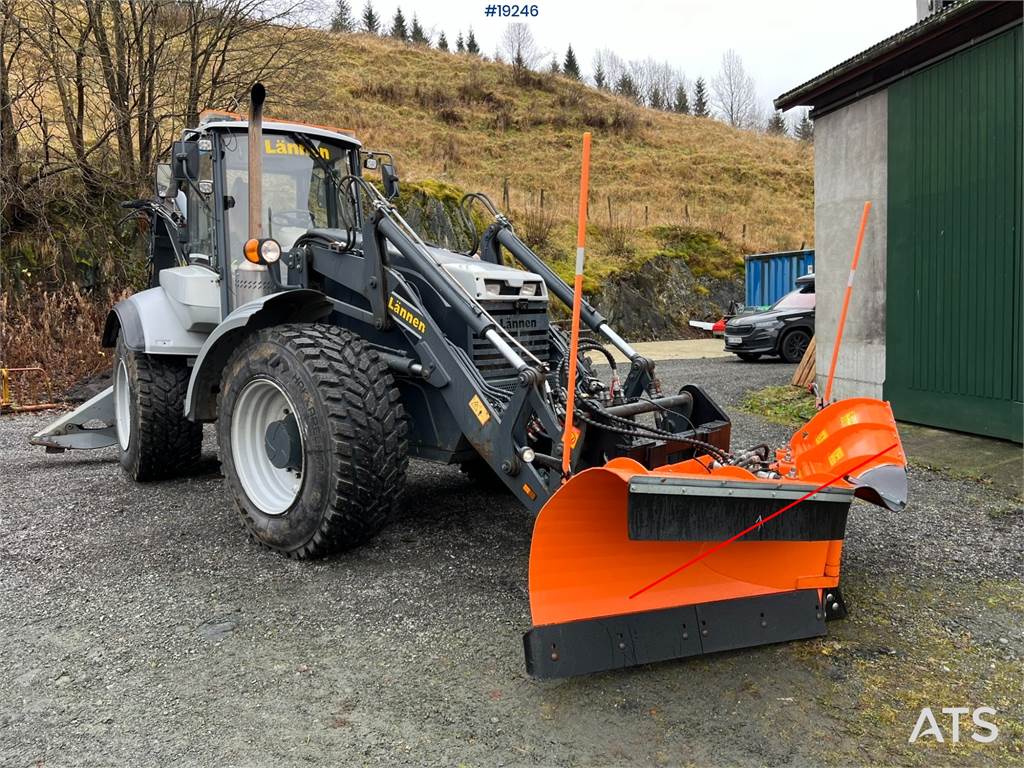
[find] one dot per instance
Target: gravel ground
(141, 628)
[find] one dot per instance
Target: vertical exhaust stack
(256, 99)
(252, 281)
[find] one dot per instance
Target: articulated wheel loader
(293, 306)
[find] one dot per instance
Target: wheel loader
(294, 307)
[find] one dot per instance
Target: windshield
(297, 192)
(802, 298)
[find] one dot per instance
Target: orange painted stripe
(581, 225)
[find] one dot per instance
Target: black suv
(784, 329)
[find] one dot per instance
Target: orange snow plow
(630, 566)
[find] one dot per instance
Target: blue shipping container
(770, 276)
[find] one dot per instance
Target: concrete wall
(850, 166)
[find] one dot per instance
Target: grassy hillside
(464, 121)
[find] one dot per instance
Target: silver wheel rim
(122, 405)
(271, 489)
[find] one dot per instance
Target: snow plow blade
(603, 543)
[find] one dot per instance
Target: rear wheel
(793, 345)
(313, 439)
(157, 441)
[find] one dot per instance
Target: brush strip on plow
(607, 589)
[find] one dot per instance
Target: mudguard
(149, 324)
(296, 306)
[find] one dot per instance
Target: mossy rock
(432, 208)
(707, 253)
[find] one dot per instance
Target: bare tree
(611, 66)
(134, 72)
(735, 96)
(519, 48)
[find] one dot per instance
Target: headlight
(528, 289)
(270, 250)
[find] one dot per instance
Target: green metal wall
(953, 295)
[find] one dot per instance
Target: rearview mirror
(389, 176)
(185, 159)
(164, 180)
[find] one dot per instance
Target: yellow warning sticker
(848, 418)
(835, 457)
(822, 436)
(574, 437)
(476, 405)
(529, 491)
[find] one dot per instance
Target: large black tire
(793, 345)
(161, 442)
(353, 437)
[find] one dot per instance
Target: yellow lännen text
(281, 147)
(406, 315)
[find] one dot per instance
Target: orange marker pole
(846, 303)
(577, 298)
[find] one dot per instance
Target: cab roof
(231, 122)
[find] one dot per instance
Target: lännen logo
(517, 324)
(406, 315)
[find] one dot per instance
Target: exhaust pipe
(251, 281)
(256, 98)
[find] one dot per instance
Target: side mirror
(389, 176)
(164, 181)
(185, 160)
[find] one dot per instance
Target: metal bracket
(68, 431)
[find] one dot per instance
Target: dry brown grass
(58, 331)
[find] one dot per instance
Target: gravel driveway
(140, 628)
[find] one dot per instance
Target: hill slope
(459, 119)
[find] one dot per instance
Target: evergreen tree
(776, 125)
(417, 35)
(460, 43)
(554, 68)
(681, 103)
(471, 44)
(342, 20)
(398, 28)
(657, 99)
(625, 86)
(442, 42)
(805, 129)
(600, 78)
(701, 103)
(371, 21)
(571, 67)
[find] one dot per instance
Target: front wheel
(313, 439)
(793, 346)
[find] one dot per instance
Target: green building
(927, 125)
